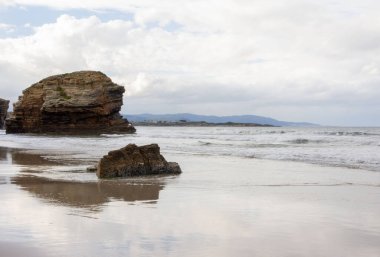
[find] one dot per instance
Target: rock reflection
(26, 159)
(88, 194)
(23, 157)
(81, 194)
(3, 154)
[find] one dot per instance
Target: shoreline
(321, 146)
(45, 157)
(29, 161)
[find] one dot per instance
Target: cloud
(249, 55)
(5, 26)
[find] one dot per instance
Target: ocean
(357, 148)
(244, 191)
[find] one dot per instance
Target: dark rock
(78, 102)
(92, 168)
(4, 105)
(133, 160)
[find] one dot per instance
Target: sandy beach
(218, 207)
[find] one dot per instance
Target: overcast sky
(295, 60)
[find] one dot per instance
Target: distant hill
(213, 119)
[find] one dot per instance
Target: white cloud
(8, 28)
(5, 26)
(245, 54)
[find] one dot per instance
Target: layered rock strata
(134, 160)
(78, 102)
(4, 105)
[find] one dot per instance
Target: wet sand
(219, 206)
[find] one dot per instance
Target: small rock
(92, 168)
(133, 160)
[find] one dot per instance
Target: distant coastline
(189, 119)
(197, 124)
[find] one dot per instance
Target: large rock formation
(78, 102)
(4, 105)
(135, 161)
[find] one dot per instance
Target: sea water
(332, 146)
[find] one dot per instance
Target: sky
(293, 60)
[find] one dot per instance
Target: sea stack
(4, 105)
(78, 102)
(133, 160)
